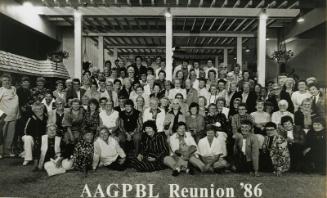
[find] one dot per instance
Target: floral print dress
(278, 152)
(83, 155)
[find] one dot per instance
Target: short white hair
(283, 102)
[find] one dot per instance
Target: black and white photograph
(163, 98)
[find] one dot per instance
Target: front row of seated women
(277, 151)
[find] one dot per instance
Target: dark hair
(221, 80)
(103, 98)
(286, 119)
(93, 101)
(140, 57)
(242, 104)
(26, 78)
(202, 79)
(94, 83)
(76, 80)
(129, 102)
(117, 80)
(313, 85)
(196, 105)
(150, 123)
(150, 69)
(247, 122)
(271, 124)
(180, 124)
(162, 71)
(221, 99)
(212, 71)
(179, 94)
(107, 61)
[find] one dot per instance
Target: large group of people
(207, 119)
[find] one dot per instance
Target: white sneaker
(1, 157)
(25, 162)
(11, 155)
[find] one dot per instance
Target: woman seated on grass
(153, 149)
(83, 152)
(212, 150)
(183, 151)
(54, 155)
(107, 152)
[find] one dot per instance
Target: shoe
(175, 173)
(35, 169)
(25, 162)
(191, 171)
(1, 157)
(11, 155)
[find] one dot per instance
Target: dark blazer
(319, 106)
(250, 102)
(251, 148)
(72, 94)
(283, 96)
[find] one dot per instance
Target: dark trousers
(265, 162)
(241, 163)
(116, 166)
(296, 156)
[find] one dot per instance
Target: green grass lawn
(19, 181)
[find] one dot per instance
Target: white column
(115, 55)
(78, 45)
(225, 56)
(100, 53)
(169, 47)
(261, 50)
(239, 52)
(216, 62)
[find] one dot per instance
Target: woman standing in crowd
(9, 109)
(195, 122)
(186, 121)
(301, 94)
(203, 106)
(238, 118)
(60, 90)
(277, 115)
(91, 120)
(57, 115)
(260, 117)
(304, 115)
(73, 122)
(173, 117)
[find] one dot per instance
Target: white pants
(51, 168)
(28, 147)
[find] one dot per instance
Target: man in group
(76, 91)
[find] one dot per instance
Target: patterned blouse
(83, 155)
(91, 122)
